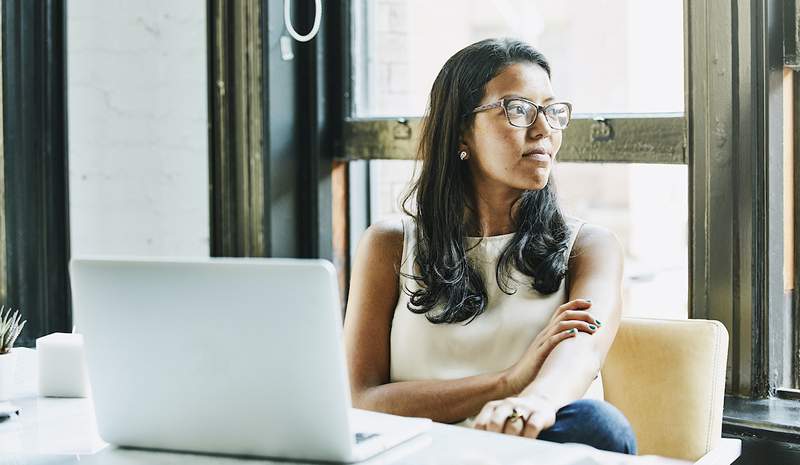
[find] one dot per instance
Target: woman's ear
(463, 150)
(465, 138)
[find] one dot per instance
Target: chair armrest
(726, 452)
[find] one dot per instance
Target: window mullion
(589, 138)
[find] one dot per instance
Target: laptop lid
(234, 356)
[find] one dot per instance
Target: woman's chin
(536, 183)
(533, 185)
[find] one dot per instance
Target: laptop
(224, 356)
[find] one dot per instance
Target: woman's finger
(581, 326)
(498, 419)
(579, 315)
(578, 304)
(557, 333)
(485, 414)
(571, 305)
(537, 422)
(553, 340)
(531, 429)
(516, 423)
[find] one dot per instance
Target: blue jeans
(595, 423)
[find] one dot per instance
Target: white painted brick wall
(138, 118)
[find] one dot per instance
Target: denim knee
(593, 422)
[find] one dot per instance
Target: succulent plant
(10, 327)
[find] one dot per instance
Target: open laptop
(225, 356)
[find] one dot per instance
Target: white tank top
(493, 341)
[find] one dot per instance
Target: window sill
(775, 419)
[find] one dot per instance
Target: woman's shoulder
(390, 228)
(589, 236)
(385, 237)
(573, 222)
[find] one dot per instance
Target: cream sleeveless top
(493, 341)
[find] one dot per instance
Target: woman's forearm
(596, 269)
(444, 401)
(566, 373)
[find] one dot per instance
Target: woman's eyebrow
(548, 99)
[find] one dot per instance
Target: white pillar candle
(62, 367)
(7, 363)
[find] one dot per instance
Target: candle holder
(62, 367)
(10, 328)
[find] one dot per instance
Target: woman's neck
(493, 214)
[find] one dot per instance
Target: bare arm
(374, 290)
(595, 273)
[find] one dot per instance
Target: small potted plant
(10, 328)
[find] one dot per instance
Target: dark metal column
(35, 165)
(238, 161)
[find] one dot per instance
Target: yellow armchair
(668, 378)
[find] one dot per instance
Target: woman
(486, 306)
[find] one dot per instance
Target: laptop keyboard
(361, 437)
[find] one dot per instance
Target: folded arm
(595, 272)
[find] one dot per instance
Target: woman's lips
(537, 156)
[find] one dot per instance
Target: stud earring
(463, 155)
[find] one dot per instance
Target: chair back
(668, 378)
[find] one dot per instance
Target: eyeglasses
(522, 113)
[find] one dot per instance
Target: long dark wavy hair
(443, 194)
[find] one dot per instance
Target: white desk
(63, 431)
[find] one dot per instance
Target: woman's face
(503, 155)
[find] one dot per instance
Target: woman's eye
(518, 110)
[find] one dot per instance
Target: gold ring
(515, 415)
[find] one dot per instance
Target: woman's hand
(565, 323)
(518, 416)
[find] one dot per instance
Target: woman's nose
(540, 127)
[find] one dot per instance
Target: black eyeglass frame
(539, 109)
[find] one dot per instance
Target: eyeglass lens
(523, 114)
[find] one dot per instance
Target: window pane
(138, 128)
(611, 56)
(646, 206)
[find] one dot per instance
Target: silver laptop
(224, 356)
